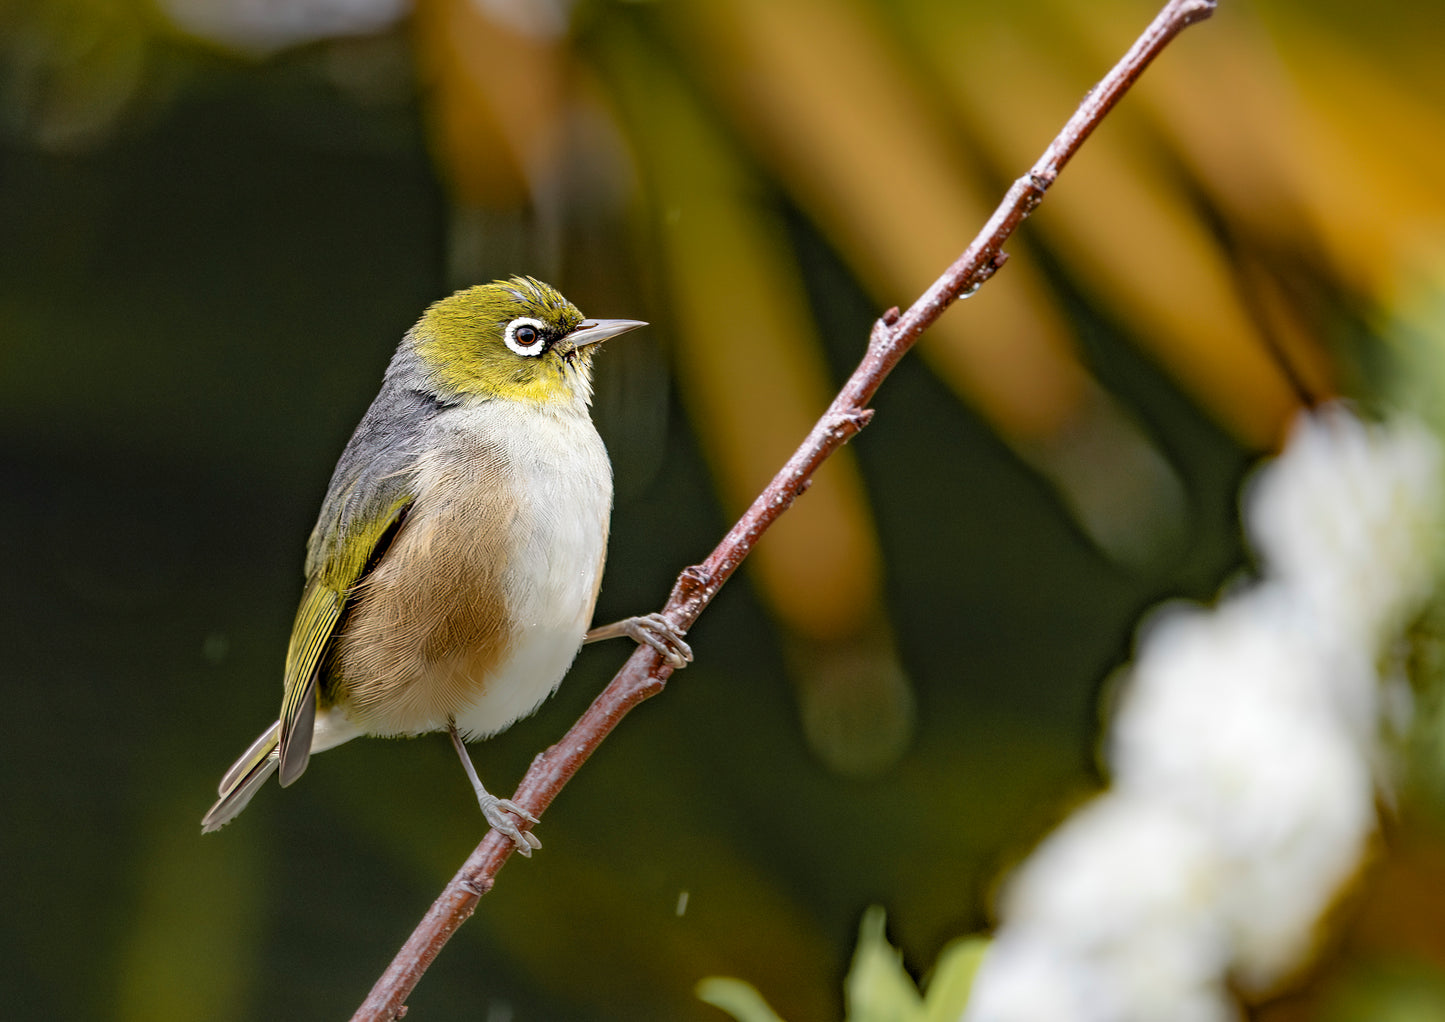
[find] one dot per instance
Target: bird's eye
(524, 336)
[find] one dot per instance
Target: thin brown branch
(645, 673)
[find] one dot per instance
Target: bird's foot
(499, 813)
(657, 631)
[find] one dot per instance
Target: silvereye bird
(456, 561)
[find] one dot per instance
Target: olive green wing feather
(354, 543)
(316, 621)
(370, 493)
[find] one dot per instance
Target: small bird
(455, 564)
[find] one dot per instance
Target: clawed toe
(653, 630)
(499, 812)
(509, 806)
(659, 633)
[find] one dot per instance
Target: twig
(645, 672)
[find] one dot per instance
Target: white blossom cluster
(1245, 753)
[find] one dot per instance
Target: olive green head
(516, 338)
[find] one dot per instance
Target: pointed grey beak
(595, 331)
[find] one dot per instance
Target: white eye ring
(524, 345)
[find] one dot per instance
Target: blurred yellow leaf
(833, 111)
(1124, 227)
(750, 363)
(497, 94)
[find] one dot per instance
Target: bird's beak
(595, 331)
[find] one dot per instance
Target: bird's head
(517, 339)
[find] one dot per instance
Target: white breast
(563, 486)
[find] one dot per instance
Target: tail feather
(259, 750)
(244, 779)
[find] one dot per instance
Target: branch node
(478, 888)
(1199, 10)
(891, 316)
(691, 581)
(842, 425)
(982, 274)
(882, 334)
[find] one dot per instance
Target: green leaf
(878, 988)
(740, 1000)
(952, 979)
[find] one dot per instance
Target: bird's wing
(359, 542)
(370, 493)
(316, 621)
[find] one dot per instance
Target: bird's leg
(493, 808)
(652, 629)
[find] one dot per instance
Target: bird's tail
(244, 779)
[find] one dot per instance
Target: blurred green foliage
(878, 988)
